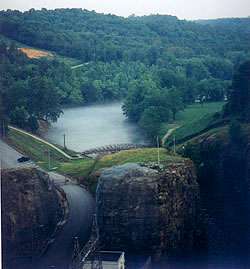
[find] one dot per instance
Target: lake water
(93, 126)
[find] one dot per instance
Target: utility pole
(64, 141)
(31, 229)
(49, 157)
(3, 130)
(158, 150)
(174, 143)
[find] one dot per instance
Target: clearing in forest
(33, 53)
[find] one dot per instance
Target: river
(93, 126)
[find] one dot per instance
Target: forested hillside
(233, 24)
(157, 63)
(92, 36)
(33, 89)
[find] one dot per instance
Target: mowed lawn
(135, 156)
(192, 113)
(51, 159)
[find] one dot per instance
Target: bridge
(113, 148)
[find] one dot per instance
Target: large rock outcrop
(30, 212)
(223, 169)
(149, 212)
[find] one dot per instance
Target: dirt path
(170, 131)
(41, 140)
(76, 66)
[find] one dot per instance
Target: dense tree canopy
(90, 36)
(156, 63)
(232, 24)
(239, 92)
(33, 89)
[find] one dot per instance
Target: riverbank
(43, 127)
(92, 126)
(83, 170)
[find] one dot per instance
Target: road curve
(81, 209)
(79, 222)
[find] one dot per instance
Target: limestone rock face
(30, 212)
(141, 210)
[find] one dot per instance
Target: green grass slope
(194, 119)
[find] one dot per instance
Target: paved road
(81, 210)
(79, 224)
(9, 156)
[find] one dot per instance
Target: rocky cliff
(223, 171)
(30, 212)
(146, 211)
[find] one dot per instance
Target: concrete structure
(110, 260)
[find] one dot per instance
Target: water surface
(93, 126)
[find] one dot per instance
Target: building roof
(111, 256)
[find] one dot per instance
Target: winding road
(81, 209)
(79, 222)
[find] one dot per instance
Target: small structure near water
(110, 260)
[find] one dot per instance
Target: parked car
(23, 159)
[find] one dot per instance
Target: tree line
(35, 89)
(90, 36)
(157, 64)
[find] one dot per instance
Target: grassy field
(193, 119)
(83, 168)
(195, 111)
(135, 156)
(48, 157)
(36, 150)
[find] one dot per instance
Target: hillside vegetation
(236, 109)
(91, 36)
(161, 67)
(193, 119)
(233, 24)
(158, 64)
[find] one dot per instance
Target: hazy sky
(183, 9)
